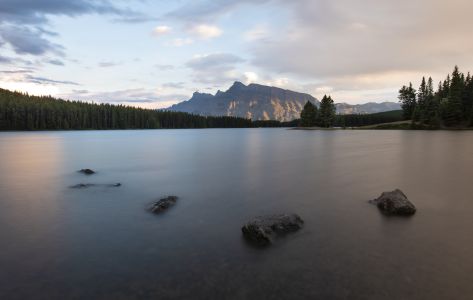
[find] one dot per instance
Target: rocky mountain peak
(261, 102)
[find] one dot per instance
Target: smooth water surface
(101, 243)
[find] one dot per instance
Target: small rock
(82, 185)
(163, 204)
(394, 203)
(86, 185)
(262, 230)
(87, 171)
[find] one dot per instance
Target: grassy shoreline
(398, 125)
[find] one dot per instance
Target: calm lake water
(101, 243)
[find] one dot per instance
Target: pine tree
(431, 114)
(309, 115)
(407, 97)
(453, 109)
(420, 113)
(467, 99)
(326, 112)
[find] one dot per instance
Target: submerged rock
(82, 185)
(262, 230)
(163, 204)
(394, 203)
(86, 185)
(87, 171)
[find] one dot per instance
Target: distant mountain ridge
(261, 102)
(366, 108)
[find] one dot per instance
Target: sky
(156, 53)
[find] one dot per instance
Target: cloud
(174, 85)
(179, 42)
(150, 98)
(24, 40)
(28, 76)
(250, 77)
(161, 30)
(108, 64)
(204, 31)
(5, 59)
(214, 68)
(165, 67)
(336, 38)
(213, 60)
(198, 10)
(43, 80)
(15, 71)
(22, 21)
(257, 33)
(56, 62)
(36, 12)
(80, 91)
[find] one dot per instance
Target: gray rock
(262, 230)
(82, 185)
(87, 171)
(394, 203)
(163, 204)
(87, 185)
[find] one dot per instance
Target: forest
(324, 116)
(449, 106)
(19, 111)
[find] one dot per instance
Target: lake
(101, 242)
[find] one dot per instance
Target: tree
(407, 97)
(326, 112)
(419, 114)
(309, 115)
(431, 115)
(453, 113)
(450, 105)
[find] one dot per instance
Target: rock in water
(262, 230)
(87, 171)
(163, 204)
(82, 185)
(86, 185)
(394, 203)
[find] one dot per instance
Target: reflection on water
(100, 243)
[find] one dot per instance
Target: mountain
(260, 102)
(367, 108)
(254, 101)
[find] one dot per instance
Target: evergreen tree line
(323, 116)
(357, 120)
(450, 105)
(19, 111)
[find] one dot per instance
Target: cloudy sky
(156, 53)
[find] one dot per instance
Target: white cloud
(367, 37)
(161, 30)
(215, 68)
(250, 77)
(257, 33)
(29, 87)
(160, 97)
(205, 31)
(179, 42)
